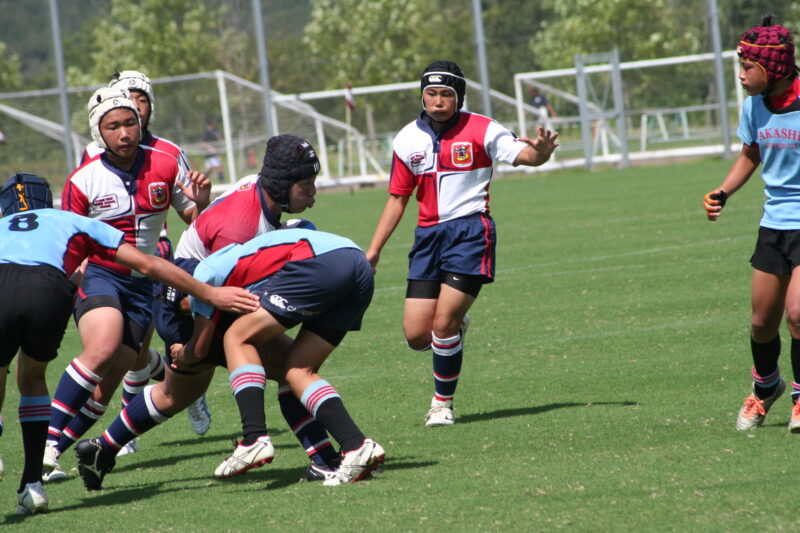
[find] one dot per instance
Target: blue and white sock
(448, 355)
(76, 385)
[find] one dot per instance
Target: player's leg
(100, 330)
(767, 301)
(360, 455)
(448, 351)
(466, 263)
(34, 414)
(418, 313)
(153, 406)
(793, 323)
(310, 433)
(247, 378)
(3, 375)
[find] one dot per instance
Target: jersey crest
(158, 194)
(462, 154)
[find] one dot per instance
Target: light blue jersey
(57, 238)
(241, 265)
(778, 138)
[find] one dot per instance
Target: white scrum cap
(104, 100)
(133, 80)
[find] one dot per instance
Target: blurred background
(344, 74)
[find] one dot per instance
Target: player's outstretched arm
(746, 163)
(232, 299)
(539, 150)
(390, 218)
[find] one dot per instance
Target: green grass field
(603, 372)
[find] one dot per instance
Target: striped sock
(134, 382)
(764, 385)
(795, 355)
(308, 430)
(139, 416)
(75, 387)
(89, 414)
(325, 404)
(156, 366)
(795, 391)
(247, 384)
(34, 415)
(448, 355)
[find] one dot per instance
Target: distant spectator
(210, 142)
(540, 102)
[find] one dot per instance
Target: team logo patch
(158, 194)
(245, 186)
(278, 301)
(417, 159)
(106, 202)
(462, 154)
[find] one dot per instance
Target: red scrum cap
(770, 47)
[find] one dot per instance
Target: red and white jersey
(451, 172)
(234, 218)
(91, 150)
(135, 202)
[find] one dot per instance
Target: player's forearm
(390, 218)
(742, 169)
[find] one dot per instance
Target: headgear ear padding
(104, 100)
(770, 47)
(133, 80)
(444, 74)
(287, 160)
(23, 192)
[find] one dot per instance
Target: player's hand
(198, 188)
(713, 203)
(234, 300)
(176, 351)
(544, 143)
(373, 258)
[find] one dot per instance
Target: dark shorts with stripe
(328, 293)
(133, 297)
(461, 246)
(37, 301)
(777, 251)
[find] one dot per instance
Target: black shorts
(37, 303)
(777, 251)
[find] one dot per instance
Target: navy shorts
(462, 246)
(37, 301)
(133, 297)
(777, 251)
(328, 293)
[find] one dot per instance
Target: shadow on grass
(256, 480)
(196, 439)
(533, 410)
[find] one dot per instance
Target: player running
(149, 363)
(131, 187)
(316, 279)
(768, 129)
(447, 155)
(40, 248)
